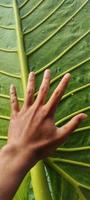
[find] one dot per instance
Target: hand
(32, 132)
(32, 128)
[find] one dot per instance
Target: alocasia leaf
(35, 35)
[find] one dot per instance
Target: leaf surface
(55, 34)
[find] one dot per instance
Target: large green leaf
(35, 35)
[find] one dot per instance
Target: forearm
(13, 168)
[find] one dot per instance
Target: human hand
(32, 132)
(32, 128)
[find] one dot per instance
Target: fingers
(58, 93)
(14, 100)
(29, 98)
(44, 88)
(68, 128)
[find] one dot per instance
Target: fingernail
(31, 75)
(68, 75)
(12, 87)
(84, 116)
(47, 73)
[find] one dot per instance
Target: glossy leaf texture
(56, 35)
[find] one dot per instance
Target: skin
(32, 134)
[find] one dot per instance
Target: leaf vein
(23, 4)
(8, 50)
(72, 115)
(73, 149)
(21, 50)
(63, 53)
(7, 27)
(73, 162)
(46, 18)
(56, 31)
(30, 12)
(4, 117)
(8, 97)
(60, 171)
(10, 75)
(6, 6)
(3, 137)
(74, 91)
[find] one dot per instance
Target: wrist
(10, 155)
(23, 158)
(9, 150)
(14, 164)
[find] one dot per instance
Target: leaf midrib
(71, 180)
(21, 49)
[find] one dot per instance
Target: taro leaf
(36, 35)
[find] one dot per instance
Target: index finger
(58, 93)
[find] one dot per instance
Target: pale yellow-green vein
(8, 50)
(60, 171)
(73, 162)
(63, 53)
(56, 31)
(45, 19)
(4, 117)
(3, 137)
(33, 9)
(72, 92)
(10, 74)
(75, 91)
(21, 49)
(63, 149)
(23, 4)
(38, 169)
(6, 5)
(69, 70)
(7, 27)
(72, 115)
(82, 129)
(8, 97)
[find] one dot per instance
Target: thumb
(64, 131)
